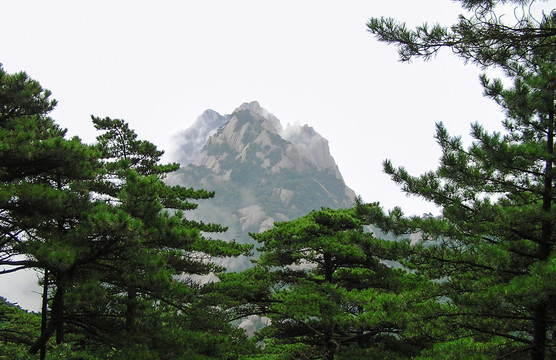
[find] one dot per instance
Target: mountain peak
(255, 108)
(251, 132)
(252, 106)
(260, 172)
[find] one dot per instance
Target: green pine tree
(326, 286)
(484, 37)
(492, 251)
(44, 203)
(167, 244)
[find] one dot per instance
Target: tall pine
(167, 247)
(329, 289)
(44, 200)
(492, 250)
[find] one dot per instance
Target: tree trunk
(44, 313)
(328, 353)
(55, 325)
(539, 332)
(328, 268)
(43, 339)
(58, 314)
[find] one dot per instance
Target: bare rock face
(260, 171)
(284, 195)
(311, 146)
(251, 215)
(255, 108)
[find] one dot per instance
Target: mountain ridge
(260, 171)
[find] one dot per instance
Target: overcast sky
(160, 64)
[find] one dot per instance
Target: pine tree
(29, 137)
(324, 283)
(92, 219)
(30, 143)
(44, 202)
(484, 37)
(167, 244)
(492, 251)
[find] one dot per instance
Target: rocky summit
(260, 171)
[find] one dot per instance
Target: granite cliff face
(260, 171)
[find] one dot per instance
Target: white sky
(160, 64)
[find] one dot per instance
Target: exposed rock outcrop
(260, 171)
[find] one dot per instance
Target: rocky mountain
(260, 171)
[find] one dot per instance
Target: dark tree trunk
(539, 332)
(328, 268)
(58, 314)
(55, 325)
(43, 339)
(44, 313)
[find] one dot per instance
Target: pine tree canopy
(492, 250)
(486, 37)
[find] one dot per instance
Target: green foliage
(18, 329)
(45, 199)
(484, 37)
(33, 155)
(497, 229)
(277, 351)
(111, 239)
(492, 250)
(322, 281)
(138, 283)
